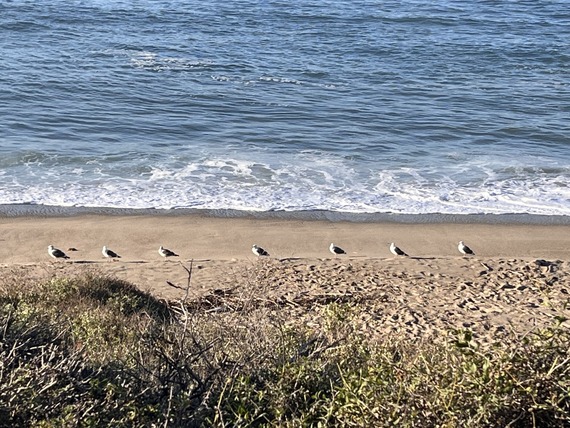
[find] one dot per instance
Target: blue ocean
(360, 106)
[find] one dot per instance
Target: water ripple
(348, 106)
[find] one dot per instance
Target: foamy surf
(314, 182)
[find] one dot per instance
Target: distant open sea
(415, 107)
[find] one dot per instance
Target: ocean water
(358, 106)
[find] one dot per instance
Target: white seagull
(166, 253)
(110, 254)
(258, 251)
(396, 251)
(56, 253)
(336, 250)
(464, 249)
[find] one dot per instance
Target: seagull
(396, 251)
(56, 253)
(336, 250)
(464, 249)
(110, 254)
(166, 253)
(258, 251)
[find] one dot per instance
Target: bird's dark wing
(60, 254)
(400, 252)
(169, 253)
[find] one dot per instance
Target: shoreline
(48, 211)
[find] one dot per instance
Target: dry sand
(518, 280)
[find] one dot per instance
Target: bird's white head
(461, 243)
(50, 247)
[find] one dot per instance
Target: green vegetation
(96, 351)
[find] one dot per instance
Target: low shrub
(95, 351)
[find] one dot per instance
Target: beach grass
(93, 350)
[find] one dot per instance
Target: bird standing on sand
(464, 249)
(258, 251)
(56, 253)
(396, 251)
(336, 250)
(166, 253)
(110, 254)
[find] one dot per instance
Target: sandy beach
(518, 279)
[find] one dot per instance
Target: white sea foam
(313, 182)
(152, 61)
